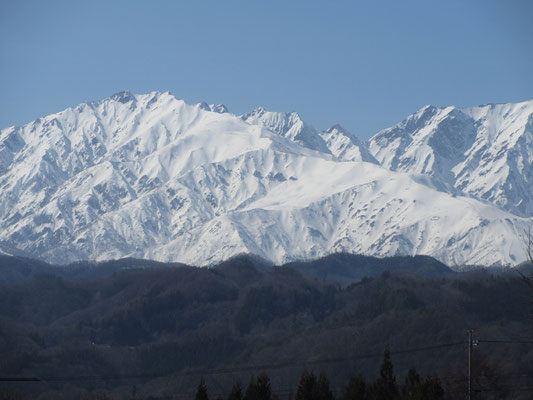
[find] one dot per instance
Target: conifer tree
(385, 387)
(258, 389)
(236, 391)
(432, 389)
(251, 390)
(201, 392)
(263, 391)
(356, 389)
(323, 391)
(412, 388)
(311, 388)
(307, 386)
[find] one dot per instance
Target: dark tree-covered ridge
(157, 324)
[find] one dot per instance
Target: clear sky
(365, 65)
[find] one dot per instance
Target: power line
(207, 372)
(19, 379)
(506, 341)
(281, 390)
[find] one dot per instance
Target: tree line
(313, 387)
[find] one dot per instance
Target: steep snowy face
(65, 178)
(287, 125)
(218, 108)
(428, 142)
(499, 165)
(346, 146)
(485, 152)
(150, 176)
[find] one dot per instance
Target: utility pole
(470, 348)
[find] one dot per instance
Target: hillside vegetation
(159, 329)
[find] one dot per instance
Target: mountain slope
(149, 176)
(287, 125)
(485, 152)
(345, 146)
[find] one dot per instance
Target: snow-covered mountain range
(150, 176)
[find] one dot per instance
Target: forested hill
(339, 268)
(160, 328)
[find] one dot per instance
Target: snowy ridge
(150, 176)
(485, 152)
(345, 146)
(288, 125)
(218, 108)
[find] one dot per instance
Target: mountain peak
(341, 130)
(346, 146)
(255, 113)
(260, 111)
(218, 108)
(203, 106)
(161, 179)
(481, 151)
(123, 97)
(337, 127)
(288, 125)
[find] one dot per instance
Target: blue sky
(365, 65)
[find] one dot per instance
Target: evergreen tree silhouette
(313, 388)
(323, 391)
(385, 387)
(306, 387)
(432, 389)
(251, 390)
(415, 388)
(412, 388)
(264, 391)
(236, 392)
(201, 392)
(258, 389)
(357, 389)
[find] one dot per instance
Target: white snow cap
(150, 176)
